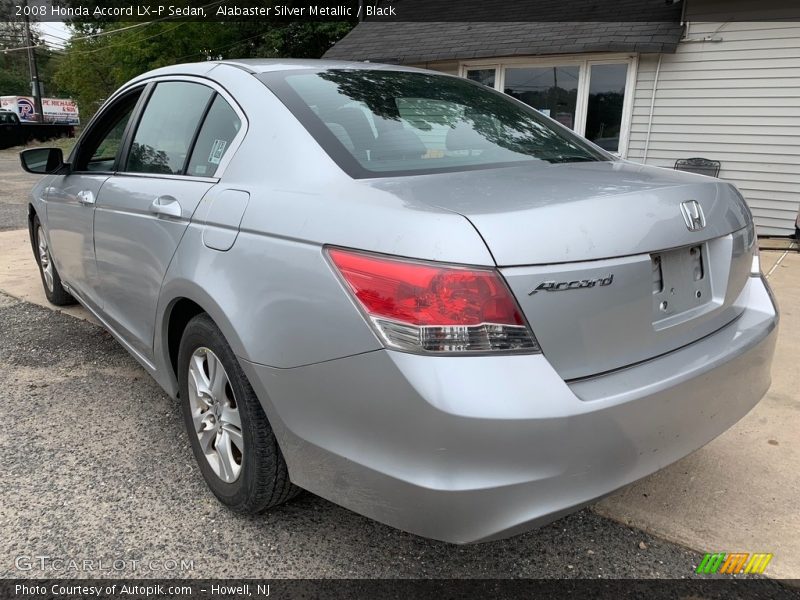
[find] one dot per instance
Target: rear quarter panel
(273, 293)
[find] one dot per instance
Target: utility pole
(35, 85)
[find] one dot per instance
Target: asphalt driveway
(97, 465)
(15, 184)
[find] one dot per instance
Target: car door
(144, 209)
(70, 199)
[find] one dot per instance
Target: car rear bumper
(467, 449)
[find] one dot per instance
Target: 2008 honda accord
(403, 291)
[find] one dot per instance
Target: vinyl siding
(737, 101)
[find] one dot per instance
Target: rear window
(375, 123)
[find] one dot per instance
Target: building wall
(451, 67)
(736, 100)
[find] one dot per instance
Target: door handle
(86, 197)
(166, 206)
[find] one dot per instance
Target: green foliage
(14, 72)
(93, 67)
(14, 78)
(12, 84)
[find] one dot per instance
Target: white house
(718, 79)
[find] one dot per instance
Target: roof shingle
(415, 42)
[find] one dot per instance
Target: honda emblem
(693, 215)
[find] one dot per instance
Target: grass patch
(66, 144)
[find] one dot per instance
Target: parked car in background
(9, 127)
(403, 291)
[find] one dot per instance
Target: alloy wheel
(215, 415)
(44, 259)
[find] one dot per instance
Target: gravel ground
(96, 465)
(16, 184)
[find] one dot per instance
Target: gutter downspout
(652, 110)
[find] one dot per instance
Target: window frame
(584, 62)
(193, 146)
(99, 121)
(147, 86)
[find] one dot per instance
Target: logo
(733, 563)
(26, 109)
(563, 286)
(693, 215)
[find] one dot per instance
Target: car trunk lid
(601, 256)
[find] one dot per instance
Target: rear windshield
(378, 123)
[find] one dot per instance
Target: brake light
(427, 307)
(752, 242)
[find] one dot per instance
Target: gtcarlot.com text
(84, 565)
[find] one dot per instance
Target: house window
(484, 76)
(590, 94)
(605, 104)
(551, 90)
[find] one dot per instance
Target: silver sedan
(403, 291)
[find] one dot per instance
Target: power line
(85, 37)
(236, 43)
(111, 31)
(48, 32)
(133, 43)
(54, 36)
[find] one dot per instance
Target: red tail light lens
(427, 307)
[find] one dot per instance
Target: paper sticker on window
(217, 150)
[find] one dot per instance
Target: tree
(93, 67)
(14, 72)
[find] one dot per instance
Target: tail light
(755, 268)
(433, 308)
(752, 243)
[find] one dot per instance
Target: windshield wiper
(563, 158)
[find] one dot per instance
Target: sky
(54, 33)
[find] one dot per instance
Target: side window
(219, 128)
(99, 151)
(167, 127)
(102, 159)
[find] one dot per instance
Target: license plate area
(681, 283)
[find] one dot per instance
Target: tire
(247, 479)
(51, 281)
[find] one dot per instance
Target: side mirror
(42, 161)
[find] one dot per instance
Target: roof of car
(263, 65)
(260, 65)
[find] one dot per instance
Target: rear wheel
(53, 289)
(231, 438)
